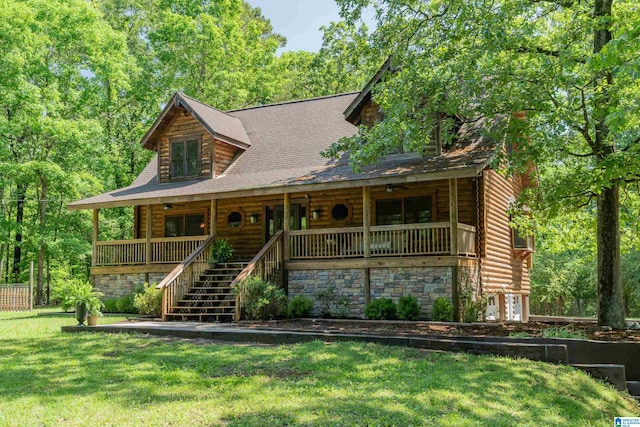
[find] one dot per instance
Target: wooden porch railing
(385, 240)
(466, 239)
(327, 243)
(178, 282)
(164, 250)
(268, 264)
(410, 239)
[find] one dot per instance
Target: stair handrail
(276, 242)
(182, 273)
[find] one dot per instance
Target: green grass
(49, 379)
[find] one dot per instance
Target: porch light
(167, 206)
(253, 218)
(316, 214)
(389, 188)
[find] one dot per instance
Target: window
(235, 219)
(408, 210)
(178, 225)
(341, 212)
(522, 242)
(185, 158)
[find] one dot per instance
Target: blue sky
(299, 20)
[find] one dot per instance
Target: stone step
(634, 388)
(613, 374)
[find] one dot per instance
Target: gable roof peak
(219, 124)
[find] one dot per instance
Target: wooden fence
(17, 296)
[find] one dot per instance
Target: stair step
(219, 302)
(203, 310)
(207, 294)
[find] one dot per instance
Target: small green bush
(442, 310)
(299, 306)
(381, 309)
(149, 301)
(259, 299)
(126, 304)
(60, 294)
(567, 332)
(332, 304)
(110, 305)
(408, 308)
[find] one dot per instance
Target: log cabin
(429, 225)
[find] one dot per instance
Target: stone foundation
(119, 285)
(348, 283)
(425, 283)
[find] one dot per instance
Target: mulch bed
(533, 329)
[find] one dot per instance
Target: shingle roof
(224, 126)
(286, 141)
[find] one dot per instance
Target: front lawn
(50, 378)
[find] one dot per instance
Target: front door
(275, 218)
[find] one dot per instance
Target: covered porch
(314, 240)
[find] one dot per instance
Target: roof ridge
(293, 101)
(205, 104)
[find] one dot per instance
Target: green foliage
(332, 304)
(149, 301)
(299, 306)
(221, 250)
(408, 308)
(565, 332)
(442, 310)
(82, 292)
(473, 307)
(381, 309)
(126, 304)
(60, 293)
(259, 299)
(110, 305)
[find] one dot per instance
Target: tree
(570, 65)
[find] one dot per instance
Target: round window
(340, 212)
(235, 219)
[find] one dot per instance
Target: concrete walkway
(548, 352)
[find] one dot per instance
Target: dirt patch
(588, 330)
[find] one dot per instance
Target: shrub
(60, 293)
(408, 308)
(149, 301)
(110, 305)
(83, 292)
(332, 304)
(126, 304)
(299, 306)
(381, 309)
(567, 332)
(259, 299)
(442, 310)
(221, 251)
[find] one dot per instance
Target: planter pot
(81, 314)
(92, 320)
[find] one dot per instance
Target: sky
(300, 20)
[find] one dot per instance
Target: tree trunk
(610, 307)
(42, 247)
(611, 304)
(21, 191)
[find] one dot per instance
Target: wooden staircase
(211, 298)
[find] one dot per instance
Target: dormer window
(185, 157)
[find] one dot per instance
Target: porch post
(287, 225)
(148, 232)
(213, 217)
(366, 240)
(453, 214)
(94, 236)
(366, 221)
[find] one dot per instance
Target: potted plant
(84, 298)
(221, 251)
(94, 312)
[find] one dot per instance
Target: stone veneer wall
(425, 283)
(347, 282)
(119, 285)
